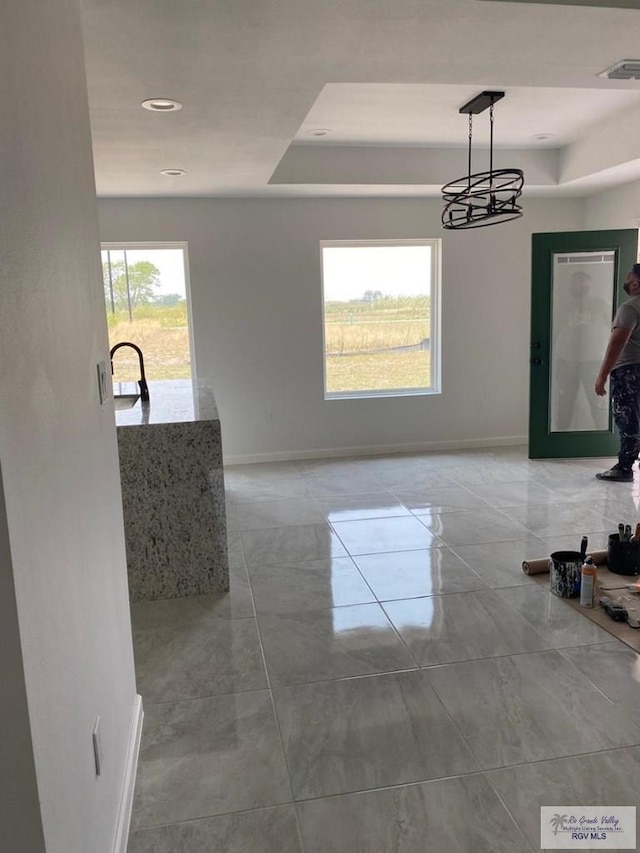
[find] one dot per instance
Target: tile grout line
(191, 820)
(480, 772)
(273, 706)
(356, 792)
(485, 770)
(386, 615)
(508, 811)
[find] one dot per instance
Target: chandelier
(484, 198)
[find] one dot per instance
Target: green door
(576, 286)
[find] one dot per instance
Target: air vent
(626, 69)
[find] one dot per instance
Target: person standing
(621, 365)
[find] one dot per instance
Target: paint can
(564, 573)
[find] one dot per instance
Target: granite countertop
(171, 401)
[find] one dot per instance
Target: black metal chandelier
(486, 198)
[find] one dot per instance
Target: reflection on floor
(382, 677)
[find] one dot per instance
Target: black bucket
(564, 569)
(623, 558)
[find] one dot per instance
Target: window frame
(113, 246)
(435, 243)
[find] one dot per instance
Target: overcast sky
(394, 270)
(168, 261)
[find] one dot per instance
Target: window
(381, 318)
(146, 295)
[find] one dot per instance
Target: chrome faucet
(142, 382)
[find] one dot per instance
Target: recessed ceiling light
(161, 105)
(540, 137)
(318, 131)
(173, 173)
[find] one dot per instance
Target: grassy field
(379, 372)
(353, 331)
(162, 334)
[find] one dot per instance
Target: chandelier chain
(491, 143)
(470, 137)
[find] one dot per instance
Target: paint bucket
(564, 571)
(623, 558)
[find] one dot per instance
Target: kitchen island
(173, 497)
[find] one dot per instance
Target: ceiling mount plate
(626, 69)
(481, 102)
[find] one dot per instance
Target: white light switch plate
(103, 382)
(97, 746)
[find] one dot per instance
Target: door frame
(544, 444)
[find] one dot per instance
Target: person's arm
(617, 343)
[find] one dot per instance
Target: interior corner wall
(618, 207)
(256, 303)
(65, 557)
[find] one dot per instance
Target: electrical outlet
(97, 747)
(103, 382)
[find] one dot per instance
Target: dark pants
(625, 405)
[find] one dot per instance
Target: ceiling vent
(626, 69)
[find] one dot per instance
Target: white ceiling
(386, 77)
(421, 114)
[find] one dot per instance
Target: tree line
(127, 286)
(372, 302)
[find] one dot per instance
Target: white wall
(58, 446)
(256, 297)
(615, 208)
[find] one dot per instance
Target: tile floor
(382, 677)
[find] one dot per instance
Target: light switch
(97, 747)
(103, 382)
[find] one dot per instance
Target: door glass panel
(583, 289)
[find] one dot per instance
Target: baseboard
(126, 798)
(377, 450)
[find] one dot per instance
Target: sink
(125, 401)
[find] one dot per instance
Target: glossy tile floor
(382, 677)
